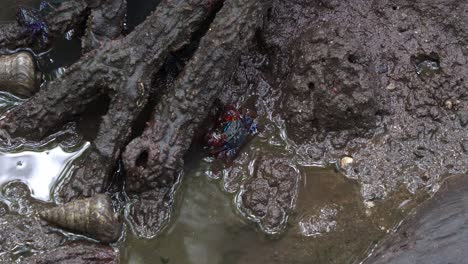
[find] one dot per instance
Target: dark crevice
(137, 11)
(115, 182)
(89, 120)
(260, 42)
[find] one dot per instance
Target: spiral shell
(18, 74)
(92, 216)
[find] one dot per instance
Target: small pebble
(369, 204)
(448, 104)
(391, 86)
(346, 161)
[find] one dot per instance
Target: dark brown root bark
(154, 160)
(121, 69)
(105, 23)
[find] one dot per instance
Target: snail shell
(92, 216)
(18, 74)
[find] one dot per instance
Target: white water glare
(39, 170)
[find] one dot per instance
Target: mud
(382, 82)
(270, 195)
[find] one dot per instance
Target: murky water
(331, 225)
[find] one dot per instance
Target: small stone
(346, 161)
(369, 204)
(381, 69)
(391, 86)
(448, 104)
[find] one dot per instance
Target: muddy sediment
(379, 82)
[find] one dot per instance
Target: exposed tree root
(122, 69)
(154, 160)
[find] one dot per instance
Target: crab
(230, 133)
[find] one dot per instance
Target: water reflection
(205, 231)
(8, 101)
(330, 225)
(40, 170)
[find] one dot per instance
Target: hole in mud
(311, 86)
(353, 58)
(402, 29)
(88, 123)
(426, 65)
(269, 13)
(142, 159)
(395, 7)
(260, 42)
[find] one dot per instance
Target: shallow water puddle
(40, 170)
(205, 230)
(331, 225)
